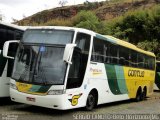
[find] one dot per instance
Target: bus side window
(114, 54)
(106, 48)
(123, 56)
(152, 63)
(145, 62)
(79, 61)
(100, 51)
(141, 60)
(133, 58)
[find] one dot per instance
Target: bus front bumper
(60, 102)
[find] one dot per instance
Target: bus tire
(91, 101)
(138, 95)
(144, 93)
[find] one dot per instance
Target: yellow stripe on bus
(138, 77)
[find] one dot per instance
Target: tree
(63, 2)
(86, 19)
(152, 46)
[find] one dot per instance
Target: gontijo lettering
(136, 73)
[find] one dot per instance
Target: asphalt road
(148, 109)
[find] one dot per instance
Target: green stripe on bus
(112, 79)
(39, 88)
(105, 38)
(44, 89)
(121, 79)
(34, 88)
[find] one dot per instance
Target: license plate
(30, 99)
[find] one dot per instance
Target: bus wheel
(138, 95)
(144, 93)
(91, 101)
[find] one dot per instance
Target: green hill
(103, 10)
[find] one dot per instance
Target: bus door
(78, 67)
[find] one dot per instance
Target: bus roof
(13, 26)
(63, 28)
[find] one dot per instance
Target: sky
(18, 9)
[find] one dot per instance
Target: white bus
(7, 32)
(66, 68)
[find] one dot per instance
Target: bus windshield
(39, 65)
(39, 58)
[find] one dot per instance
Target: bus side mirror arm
(68, 53)
(6, 47)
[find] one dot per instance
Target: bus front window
(39, 64)
(39, 59)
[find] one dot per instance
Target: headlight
(55, 92)
(13, 86)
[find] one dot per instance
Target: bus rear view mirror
(8, 48)
(0, 51)
(68, 53)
